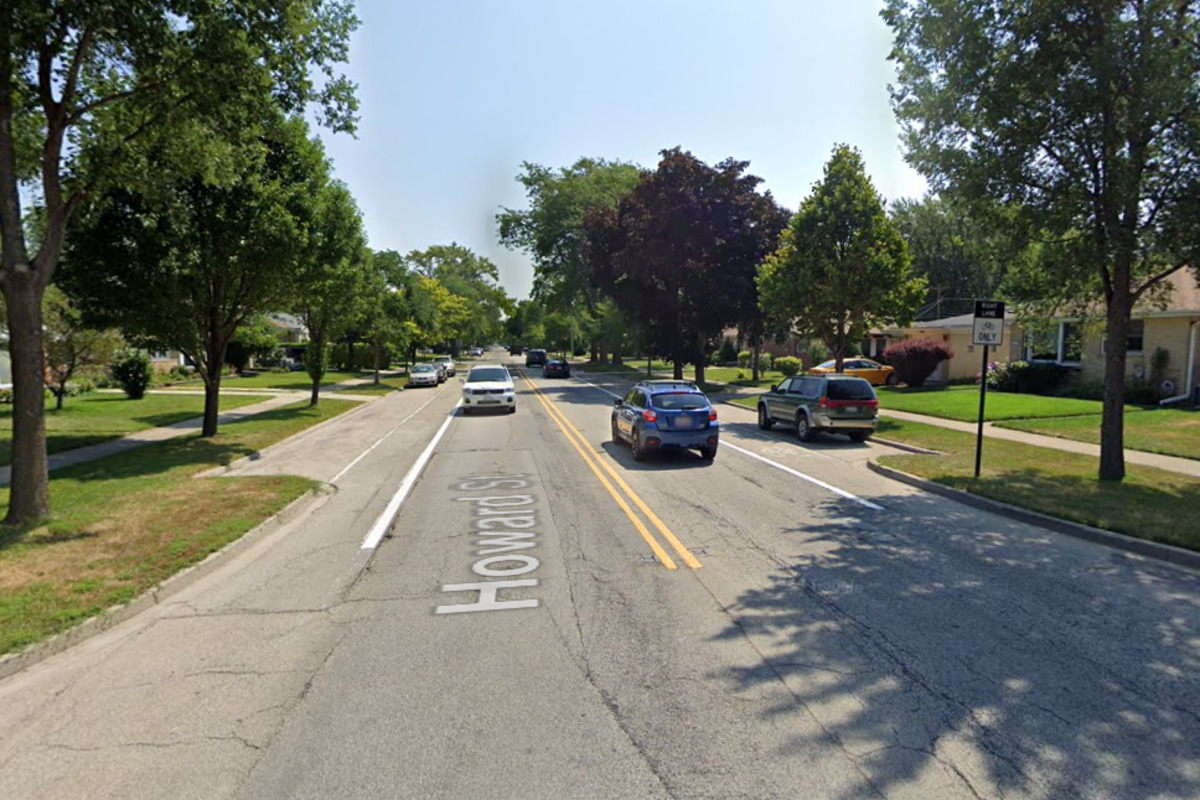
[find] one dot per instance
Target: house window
(1070, 343)
(1137, 334)
(1061, 345)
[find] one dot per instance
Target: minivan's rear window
(677, 401)
(851, 390)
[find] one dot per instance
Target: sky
(456, 94)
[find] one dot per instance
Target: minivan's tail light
(712, 415)
(823, 403)
(650, 415)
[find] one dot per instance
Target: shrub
(728, 353)
(765, 360)
(1027, 377)
(132, 371)
(788, 365)
(743, 358)
(915, 359)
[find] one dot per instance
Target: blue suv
(659, 415)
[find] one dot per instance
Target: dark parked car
(813, 403)
(660, 415)
(535, 358)
(557, 368)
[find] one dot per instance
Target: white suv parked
(446, 362)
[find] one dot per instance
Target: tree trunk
(1112, 425)
(29, 499)
(678, 373)
(58, 398)
(212, 392)
(755, 357)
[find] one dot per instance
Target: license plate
(684, 422)
(851, 409)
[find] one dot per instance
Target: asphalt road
(547, 618)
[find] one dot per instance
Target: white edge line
(809, 478)
(363, 454)
(375, 536)
(776, 464)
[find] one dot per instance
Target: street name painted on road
(504, 524)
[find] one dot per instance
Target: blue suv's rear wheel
(635, 446)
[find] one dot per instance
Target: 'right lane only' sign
(989, 323)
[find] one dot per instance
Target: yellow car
(872, 371)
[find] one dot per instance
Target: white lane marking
(601, 388)
(381, 439)
(375, 536)
(809, 478)
(776, 464)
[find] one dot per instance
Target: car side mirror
(617, 402)
(775, 388)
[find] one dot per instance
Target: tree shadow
(988, 657)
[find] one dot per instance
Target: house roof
(1183, 296)
(960, 322)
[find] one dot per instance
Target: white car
(446, 362)
(488, 386)
(424, 375)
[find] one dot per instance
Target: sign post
(988, 330)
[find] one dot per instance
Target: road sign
(989, 323)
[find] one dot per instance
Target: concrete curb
(306, 503)
(1163, 552)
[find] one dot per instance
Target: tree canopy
(97, 94)
(186, 266)
(842, 265)
(672, 252)
(1083, 120)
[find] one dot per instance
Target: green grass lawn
(1169, 431)
(123, 524)
(93, 418)
(962, 403)
(1151, 504)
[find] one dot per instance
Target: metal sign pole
(982, 398)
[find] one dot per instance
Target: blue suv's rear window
(678, 401)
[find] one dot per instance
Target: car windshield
(679, 401)
(827, 365)
(850, 390)
(488, 374)
(423, 368)
(442, 359)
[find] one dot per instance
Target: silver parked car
(424, 375)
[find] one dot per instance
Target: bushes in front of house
(914, 360)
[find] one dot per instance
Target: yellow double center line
(581, 446)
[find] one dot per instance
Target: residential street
(550, 619)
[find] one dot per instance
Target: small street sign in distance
(989, 323)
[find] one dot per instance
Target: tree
(386, 313)
(675, 249)
(551, 230)
(842, 265)
(72, 346)
(83, 85)
(1084, 118)
(958, 255)
(329, 287)
(255, 339)
(184, 268)
(470, 277)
